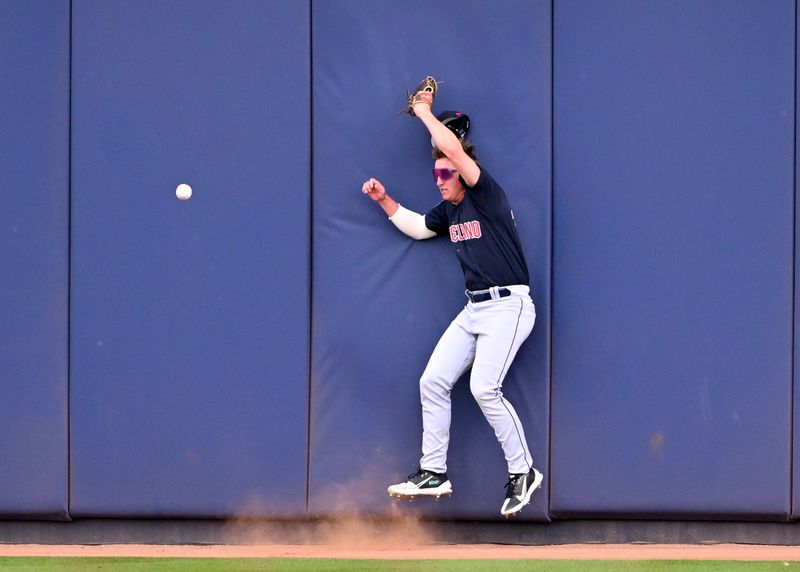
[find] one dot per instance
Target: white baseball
(183, 192)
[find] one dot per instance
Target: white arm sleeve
(411, 223)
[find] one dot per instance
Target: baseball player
(475, 215)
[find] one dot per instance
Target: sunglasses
(443, 174)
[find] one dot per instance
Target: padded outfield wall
(255, 350)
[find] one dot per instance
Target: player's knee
(432, 384)
(484, 394)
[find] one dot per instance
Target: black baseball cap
(456, 121)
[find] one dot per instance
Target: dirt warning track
(428, 552)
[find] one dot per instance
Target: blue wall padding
(795, 440)
(673, 218)
(34, 257)
(380, 300)
(157, 363)
(190, 319)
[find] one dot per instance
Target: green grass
(325, 564)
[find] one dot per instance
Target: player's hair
(468, 147)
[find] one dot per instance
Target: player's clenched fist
(374, 189)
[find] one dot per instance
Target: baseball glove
(423, 93)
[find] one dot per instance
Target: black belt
(484, 295)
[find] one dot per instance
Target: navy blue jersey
(482, 229)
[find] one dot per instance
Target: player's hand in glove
(422, 97)
(374, 189)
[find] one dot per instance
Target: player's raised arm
(419, 105)
(408, 222)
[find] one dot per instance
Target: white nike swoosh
(419, 485)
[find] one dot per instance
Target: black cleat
(519, 490)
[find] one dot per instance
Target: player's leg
(450, 359)
(502, 325)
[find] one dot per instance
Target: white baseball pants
(485, 336)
